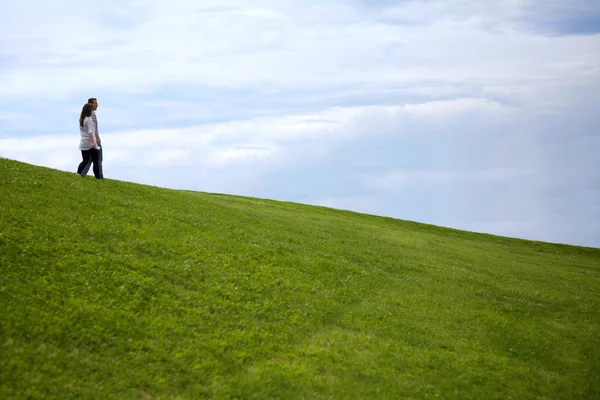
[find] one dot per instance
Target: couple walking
(91, 152)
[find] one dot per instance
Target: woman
(88, 145)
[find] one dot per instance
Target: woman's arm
(90, 129)
(93, 138)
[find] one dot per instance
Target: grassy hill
(113, 290)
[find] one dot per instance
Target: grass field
(114, 290)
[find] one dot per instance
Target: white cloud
(279, 46)
(262, 139)
(405, 179)
(12, 116)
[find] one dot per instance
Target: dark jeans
(86, 155)
(89, 164)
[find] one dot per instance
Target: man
(94, 102)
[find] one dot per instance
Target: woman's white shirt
(89, 127)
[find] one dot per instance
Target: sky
(480, 116)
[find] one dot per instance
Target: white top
(88, 127)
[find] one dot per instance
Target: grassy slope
(116, 290)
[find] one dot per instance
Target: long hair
(86, 111)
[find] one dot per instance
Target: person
(94, 102)
(87, 143)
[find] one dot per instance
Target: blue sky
(481, 116)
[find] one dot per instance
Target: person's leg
(96, 167)
(87, 166)
(100, 163)
(85, 155)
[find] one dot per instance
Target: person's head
(86, 111)
(94, 102)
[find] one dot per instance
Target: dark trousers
(87, 155)
(89, 164)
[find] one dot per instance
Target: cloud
(553, 17)
(256, 46)
(403, 179)
(261, 143)
(234, 141)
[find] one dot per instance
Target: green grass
(113, 290)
